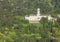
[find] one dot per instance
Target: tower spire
(38, 11)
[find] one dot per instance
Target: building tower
(38, 12)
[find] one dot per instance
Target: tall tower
(38, 12)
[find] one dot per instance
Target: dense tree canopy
(14, 28)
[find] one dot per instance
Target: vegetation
(13, 27)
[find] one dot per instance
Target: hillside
(14, 28)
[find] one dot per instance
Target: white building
(36, 18)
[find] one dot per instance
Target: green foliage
(14, 28)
